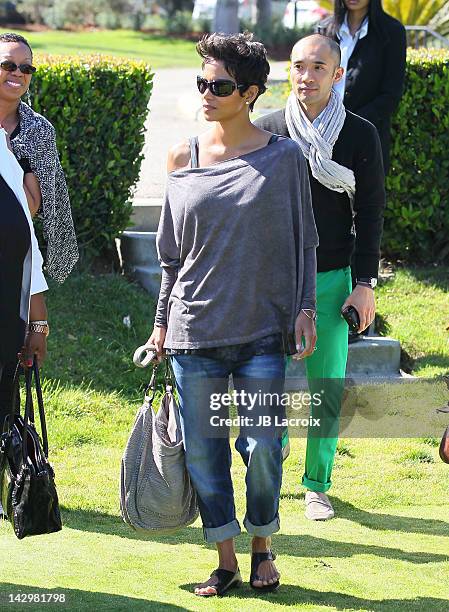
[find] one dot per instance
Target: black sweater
(358, 148)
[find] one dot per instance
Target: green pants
(326, 370)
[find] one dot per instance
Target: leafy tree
(441, 21)
(33, 10)
(414, 12)
(176, 6)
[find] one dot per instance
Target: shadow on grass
(437, 276)
(76, 599)
(390, 522)
(382, 522)
(437, 360)
(291, 545)
(292, 595)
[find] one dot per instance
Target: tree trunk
(264, 15)
(226, 17)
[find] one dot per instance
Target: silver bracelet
(309, 316)
(40, 322)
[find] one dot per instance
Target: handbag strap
(168, 374)
(40, 403)
(150, 389)
(27, 414)
(29, 411)
(15, 392)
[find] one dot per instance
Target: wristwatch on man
(367, 282)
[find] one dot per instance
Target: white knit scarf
(317, 143)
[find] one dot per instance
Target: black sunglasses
(10, 66)
(220, 87)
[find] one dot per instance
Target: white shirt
(316, 122)
(33, 280)
(347, 46)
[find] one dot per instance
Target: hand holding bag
(27, 488)
(156, 494)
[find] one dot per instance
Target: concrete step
(138, 248)
(149, 278)
(140, 261)
(371, 359)
(145, 214)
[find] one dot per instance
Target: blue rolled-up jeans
(208, 457)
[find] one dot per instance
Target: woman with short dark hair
(373, 46)
(236, 242)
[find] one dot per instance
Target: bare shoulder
(178, 156)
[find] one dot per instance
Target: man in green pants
(348, 195)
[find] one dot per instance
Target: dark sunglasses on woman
(220, 87)
(10, 66)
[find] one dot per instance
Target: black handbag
(27, 488)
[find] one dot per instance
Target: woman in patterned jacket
(32, 140)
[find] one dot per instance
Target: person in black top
(348, 198)
(32, 140)
(20, 274)
(14, 245)
(374, 47)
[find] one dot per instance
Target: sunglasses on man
(10, 66)
(219, 87)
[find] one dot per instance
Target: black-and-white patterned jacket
(36, 142)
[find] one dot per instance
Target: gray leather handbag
(156, 494)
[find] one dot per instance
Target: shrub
(203, 25)
(98, 106)
(417, 214)
(69, 12)
(179, 23)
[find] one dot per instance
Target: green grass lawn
(414, 308)
(388, 548)
(158, 51)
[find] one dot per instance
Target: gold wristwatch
(39, 327)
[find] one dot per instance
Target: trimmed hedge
(417, 214)
(98, 106)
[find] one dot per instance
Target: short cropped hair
(12, 37)
(244, 59)
(331, 43)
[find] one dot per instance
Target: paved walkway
(175, 114)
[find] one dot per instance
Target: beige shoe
(318, 506)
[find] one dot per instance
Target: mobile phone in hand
(351, 316)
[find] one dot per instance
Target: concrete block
(372, 359)
(149, 278)
(146, 213)
(138, 249)
(374, 356)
